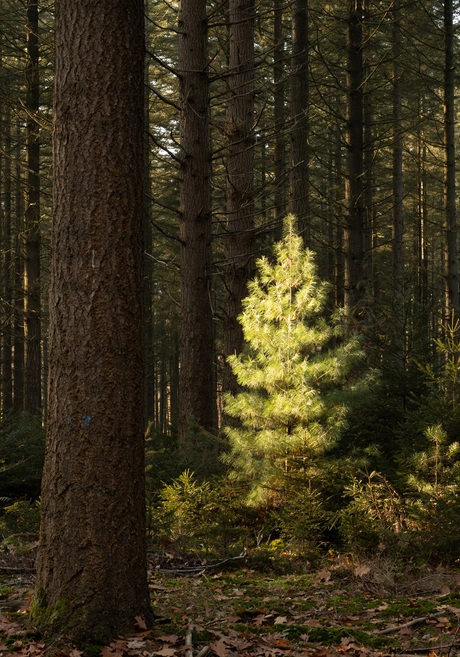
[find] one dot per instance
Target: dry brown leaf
(220, 648)
(140, 623)
(280, 620)
(323, 575)
(109, 651)
(362, 570)
(165, 652)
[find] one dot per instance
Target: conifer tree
(291, 371)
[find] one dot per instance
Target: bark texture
(91, 577)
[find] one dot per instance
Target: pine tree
(291, 371)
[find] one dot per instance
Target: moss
(334, 635)
(48, 617)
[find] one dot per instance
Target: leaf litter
(346, 609)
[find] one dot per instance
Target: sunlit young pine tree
(293, 371)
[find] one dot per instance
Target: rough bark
(196, 386)
(91, 569)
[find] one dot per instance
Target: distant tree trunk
(279, 117)
(299, 172)
(398, 215)
(240, 174)
(7, 346)
(451, 251)
(148, 267)
(196, 386)
(18, 286)
(354, 230)
(91, 569)
(33, 362)
(368, 173)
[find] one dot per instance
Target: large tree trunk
(33, 362)
(91, 569)
(196, 386)
(240, 173)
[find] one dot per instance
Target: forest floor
(349, 608)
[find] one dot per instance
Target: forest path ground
(367, 608)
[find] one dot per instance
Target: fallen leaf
(165, 652)
(362, 570)
(220, 648)
(280, 620)
(135, 644)
(406, 631)
(169, 638)
(323, 575)
(140, 623)
(108, 651)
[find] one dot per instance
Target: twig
(414, 621)
(204, 651)
(197, 569)
(423, 651)
(188, 641)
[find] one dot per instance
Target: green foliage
(292, 371)
(202, 516)
(22, 449)
(301, 521)
(375, 519)
(20, 517)
(435, 507)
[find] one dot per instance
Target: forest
(229, 292)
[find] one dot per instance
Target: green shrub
(20, 517)
(203, 516)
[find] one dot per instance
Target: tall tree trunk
(240, 168)
(7, 346)
(354, 230)
(196, 386)
(451, 254)
(91, 569)
(398, 210)
(299, 173)
(148, 265)
(33, 362)
(279, 117)
(18, 286)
